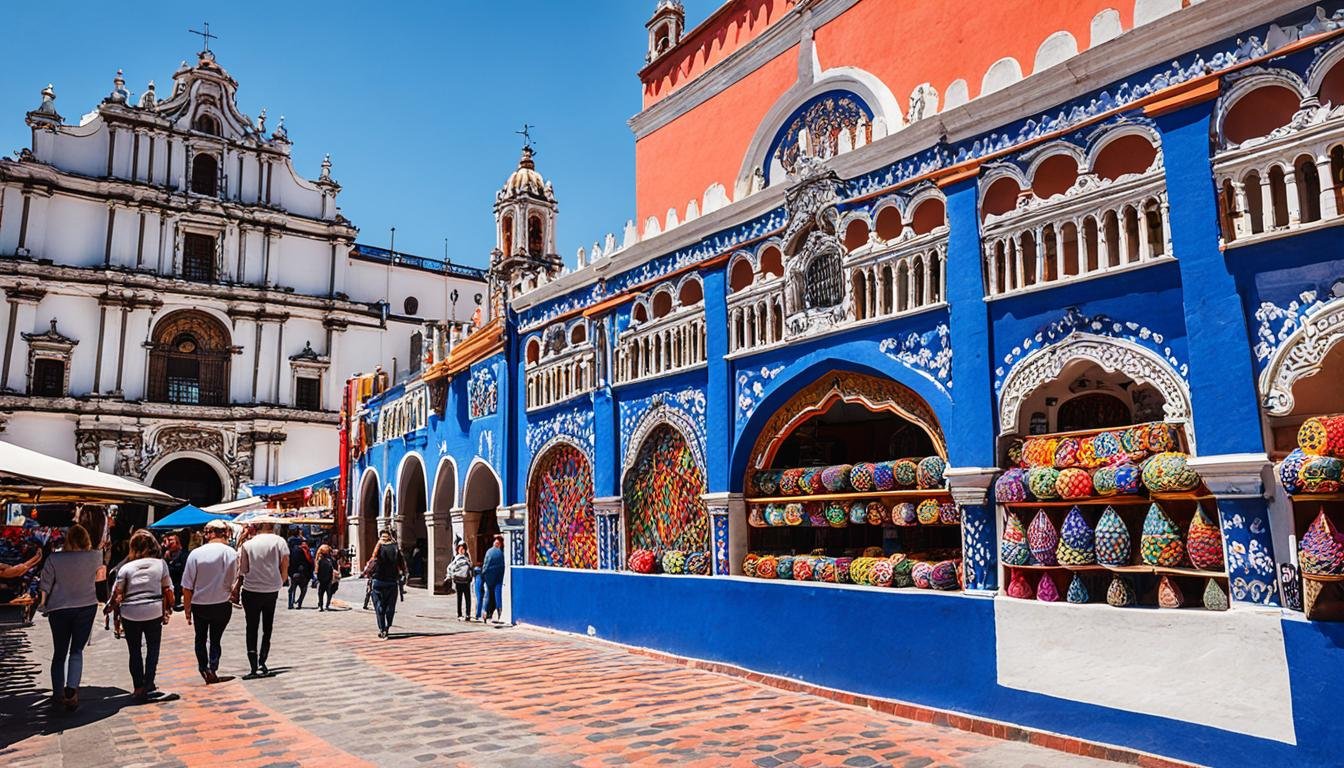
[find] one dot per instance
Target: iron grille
(198, 258)
(48, 378)
(188, 378)
(825, 285)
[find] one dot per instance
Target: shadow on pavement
(406, 635)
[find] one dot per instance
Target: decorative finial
(53, 325)
(280, 132)
(119, 93)
(205, 38)
(148, 100)
(527, 136)
(261, 121)
(326, 167)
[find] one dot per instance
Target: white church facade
(182, 307)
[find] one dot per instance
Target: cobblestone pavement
(441, 692)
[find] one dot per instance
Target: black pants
(210, 620)
(325, 589)
(298, 583)
(384, 603)
(463, 589)
(143, 669)
(258, 607)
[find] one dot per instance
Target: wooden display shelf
(1323, 577)
(1317, 497)
(852, 496)
(1147, 569)
(1122, 500)
(1056, 567)
(856, 525)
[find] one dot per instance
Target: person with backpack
(459, 576)
(492, 575)
(328, 576)
(300, 571)
(385, 571)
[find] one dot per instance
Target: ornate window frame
(1300, 355)
(309, 364)
(51, 344)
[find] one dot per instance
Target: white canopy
(30, 477)
(236, 506)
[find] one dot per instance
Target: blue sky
(416, 101)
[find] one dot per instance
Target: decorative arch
(444, 497)
(1253, 80)
(997, 172)
(1321, 67)
(663, 492)
(1110, 354)
(872, 392)
(411, 489)
(662, 414)
(562, 527)
(213, 461)
(1054, 149)
(368, 481)
(478, 469)
(189, 358)
(1097, 142)
(1300, 355)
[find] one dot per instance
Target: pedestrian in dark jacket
(459, 577)
(385, 570)
(492, 573)
(301, 567)
(175, 555)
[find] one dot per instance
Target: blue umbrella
(188, 517)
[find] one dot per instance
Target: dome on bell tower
(525, 180)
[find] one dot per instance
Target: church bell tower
(525, 253)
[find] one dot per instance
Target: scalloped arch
(1300, 355)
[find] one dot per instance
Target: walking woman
(459, 576)
(70, 601)
(385, 570)
(328, 576)
(144, 596)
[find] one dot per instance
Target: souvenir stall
(667, 528)
(851, 491)
(1110, 515)
(308, 501)
(1310, 474)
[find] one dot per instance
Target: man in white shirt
(207, 582)
(263, 561)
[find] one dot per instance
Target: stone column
(610, 536)
(1237, 482)
(439, 543)
(971, 490)
(727, 532)
(512, 525)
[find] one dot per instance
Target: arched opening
(1278, 196)
(506, 235)
(772, 262)
(929, 215)
(368, 516)
(1259, 113)
(1332, 86)
(205, 174)
(562, 529)
(1000, 198)
(189, 360)
(578, 334)
(740, 276)
(839, 472)
(536, 237)
(889, 223)
(1127, 154)
(1085, 396)
(640, 314)
(207, 124)
(1054, 175)
(856, 234)
(191, 479)
(690, 294)
(858, 293)
(411, 506)
(1255, 201)
(662, 303)
(443, 544)
(1308, 189)
(662, 496)
(480, 511)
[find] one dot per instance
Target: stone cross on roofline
(205, 36)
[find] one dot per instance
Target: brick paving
(443, 693)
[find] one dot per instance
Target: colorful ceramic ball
(927, 512)
(1011, 486)
(1161, 438)
(944, 575)
(836, 478)
(756, 516)
(1077, 543)
(766, 482)
(789, 481)
(881, 573)
(902, 569)
(1042, 539)
(774, 514)
(697, 563)
(1106, 445)
(1321, 550)
(1167, 472)
(783, 569)
(1019, 587)
(836, 515)
(1073, 483)
(1014, 550)
(1015, 453)
(922, 574)
(642, 560)
(842, 569)
(1111, 537)
(802, 568)
(1290, 471)
(1121, 593)
(884, 476)
(816, 514)
(1066, 453)
(1313, 438)
(1204, 542)
(1039, 451)
(748, 564)
(860, 570)
(1320, 474)
(793, 513)
(810, 481)
(858, 513)
(1128, 479)
(1132, 442)
(1103, 481)
(1160, 543)
(1041, 482)
(1087, 454)
(930, 473)
(905, 513)
(861, 477)
(949, 513)
(906, 472)
(876, 513)
(826, 572)
(767, 567)
(674, 561)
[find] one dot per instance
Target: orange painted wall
(902, 42)
(735, 24)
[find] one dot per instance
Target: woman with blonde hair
(69, 600)
(144, 597)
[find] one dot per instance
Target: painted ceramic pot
(1087, 454)
(810, 481)
(674, 561)
(1168, 472)
(802, 568)
(1160, 543)
(1320, 474)
(784, 568)
(1073, 484)
(1169, 594)
(876, 513)
(1215, 599)
(842, 569)
(1290, 470)
(1077, 592)
(1133, 442)
(827, 572)
(1011, 486)
(905, 513)
(816, 514)
(858, 513)
(793, 513)
(1103, 481)
(1041, 482)
(949, 513)
(860, 571)
(884, 476)
(881, 573)
(1128, 479)
(1046, 590)
(1076, 540)
(905, 472)
(766, 482)
(861, 477)
(1121, 593)
(789, 482)
(756, 516)
(930, 473)
(1019, 587)
(1042, 539)
(927, 512)
(944, 576)
(642, 560)
(1066, 453)
(1321, 549)
(1161, 438)
(748, 564)
(1015, 454)
(698, 563)
(1204, 542)
(1039, 451)
(836, 515)
(902, 569)
(1111, 537)
(836, 478)
(767, 567)
(1106, 446)
(774, 514)
(922, 574)
(1014, 550)
(1313, 438)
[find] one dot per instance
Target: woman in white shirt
(144, 597)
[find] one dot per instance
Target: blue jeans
(494, 595)
(70, 629)
(384, 603)
(143, 669)
(480, 596)
(297, 584)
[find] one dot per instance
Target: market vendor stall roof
(297, 485)
(236, 506)
(30, 477)
(189, 516)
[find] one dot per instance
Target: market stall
(1311, 475)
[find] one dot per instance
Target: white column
(1323, 172)
(1266, 203)
(1290, 197)
(1243, 226)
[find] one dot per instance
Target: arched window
(825, 286)
(506, 235)
(536, 237)
(205, 175)
(207, 124)
(189, 360)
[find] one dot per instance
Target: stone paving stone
(442, 692)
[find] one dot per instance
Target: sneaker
(251, 675)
